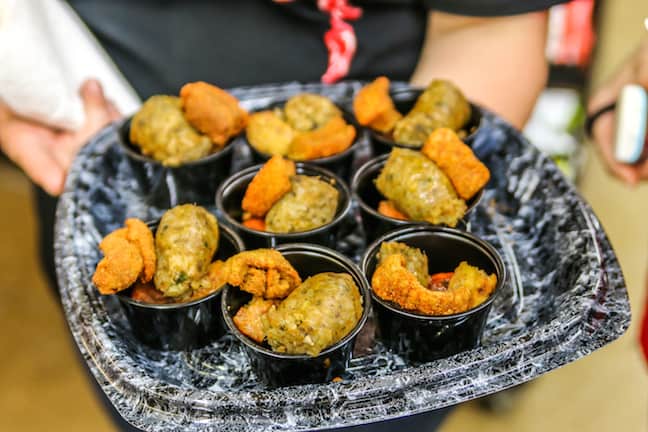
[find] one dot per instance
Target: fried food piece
(121, 265)
(211, 282)
(467, 173)
(416, 260)
(316, 315)
(269, 133)
(333, 138)
(311, 203)
(440, 281)
(146, 293)
(393, 282)
(419, 188)
(262, 272)
(440, 105)
(255, 224)
(268, 186)
(138, 233)
(374, 107)
(161, 131)
(387, 208)
(307, 111)
(213, 112)
(248, 318)
(185, 242)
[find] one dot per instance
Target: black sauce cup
(230, 195)
(277, 369)
(181, 326)
(339, 163)
(165, 187)
(404, 101)
(363, 188)
(422, 338)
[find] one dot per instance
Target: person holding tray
(484, 47)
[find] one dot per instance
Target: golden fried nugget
(268, 186)
(332, 138)
(146, 293)
(268, 133)
(213, 111)
(262, 272)
(393, 282)
(374, 107)
(138, 233)
(457, 160)
(387, 208)
(120, 266)
(248, 317)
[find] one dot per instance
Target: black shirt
(161, 44)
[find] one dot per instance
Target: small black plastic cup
(339, 163)
(422, 338)
(230, 195)
(192, 182)
(181, 326)
(277, 369)
(404, 101)
(363, 188)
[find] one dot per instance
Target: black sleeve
(490, 8)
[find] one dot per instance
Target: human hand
(44, 153)
(633, 71)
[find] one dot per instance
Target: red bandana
(340, 40)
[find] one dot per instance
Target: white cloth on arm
(46, 52)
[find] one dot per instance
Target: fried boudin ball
(248, 318)
(185, 242)
(332, 138)
(268, 186)
(263, 273)
(307, 111)
(161, 131)
(419, 188)
(416, 259)
(317, 314)
(374, 107)
(269, 133)
(213, 112)
(393, 281)
(467, 173)
(311, 203)
(440, 105)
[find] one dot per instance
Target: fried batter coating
(248, 318)
(213, 112)
(333, 138)
(185, 242)
(211, 282)
(268, 186)
(307, 111)
(387, 208)
(316, 315)
(393, 282)
(146, 293)
(419, 188)
(311, 203)
(416, 260)
(467, 173)
(255, 224)
(121, 265)
(262, 272)
(374, 107)
(138, 233)
(161, 131)
(269, 133)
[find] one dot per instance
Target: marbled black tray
(565, 297)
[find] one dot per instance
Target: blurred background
(44, 387)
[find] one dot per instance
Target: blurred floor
(45, 389)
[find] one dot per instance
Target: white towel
(46, 52)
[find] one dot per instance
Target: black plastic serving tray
(565, 297)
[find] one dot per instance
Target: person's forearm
(497, 62)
